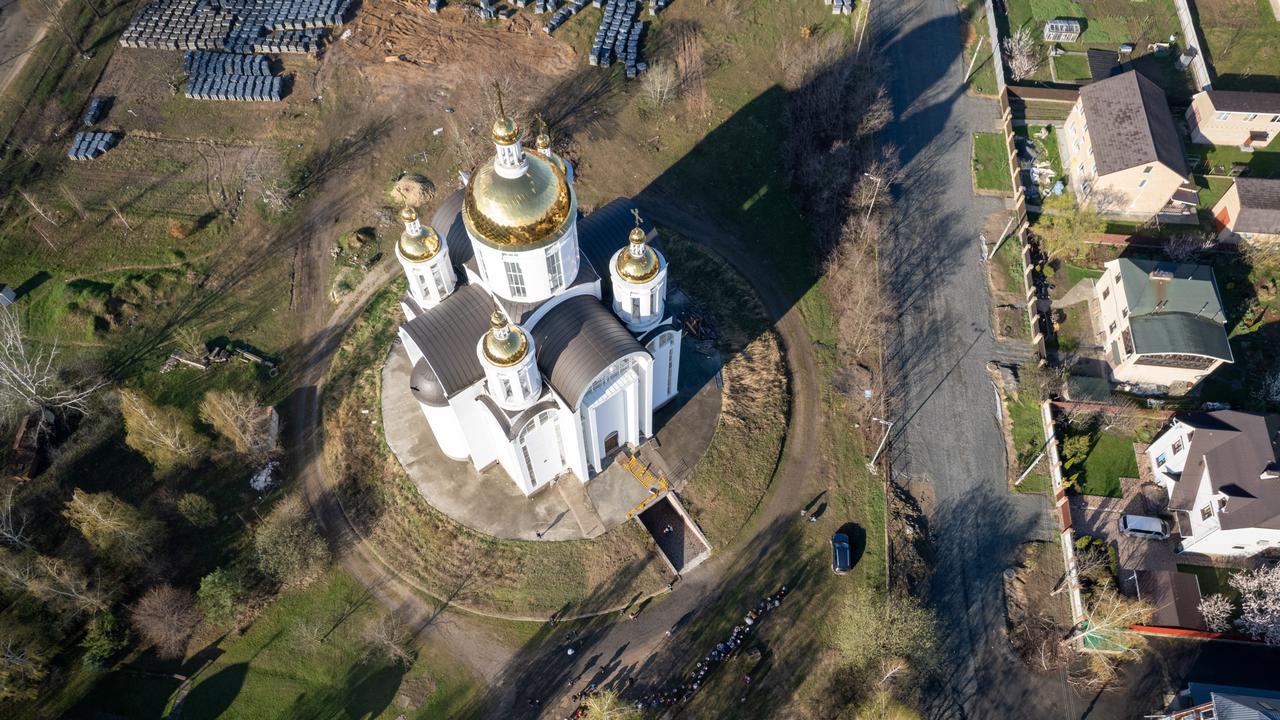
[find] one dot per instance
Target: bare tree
(691, 72)
(1022, 54)
(1121, 414)
(163, 434)
(58, 581)
(190, 341)
(35, 379)
(388, 638)
(1110, 615)
(22, 670)
(13, 523)
(1259, 602)
(661, 83)
(113, 528)
(1216, 610)
(238, 417)
(1187, 246)
(606, 705)
(1266, 389)
(166, 617)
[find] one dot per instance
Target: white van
(1144, 527)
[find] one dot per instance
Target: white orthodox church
(538, 340)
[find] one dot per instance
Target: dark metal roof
(1239, 101)
(447, 335)
(605, 230)
(1259, 206)
(447, 222)
(512, 423)
(426, 387)
(1130, 124)
(1174, 308)
(1180, 334)
(1237, 447)
(576, 341)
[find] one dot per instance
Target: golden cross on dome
(636, 212)
(498, 89)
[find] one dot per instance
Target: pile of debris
(840, 7)
(228, 76)
(88, 145)
(618, 38)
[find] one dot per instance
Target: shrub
(166, 617)
(289, 549)
(197, 510)
(219, 596)
(104, 637)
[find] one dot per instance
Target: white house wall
(1241, 542)
(1174, 462)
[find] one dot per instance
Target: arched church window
(439, 279)
(515, 277)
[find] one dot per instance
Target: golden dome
(420, 247)
(543, 142)
(526, 211)
(505, 131)
(505, 344)
(638, 263)
(408, 214)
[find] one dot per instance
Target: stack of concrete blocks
(93, 113)
(840, 7)
(89, 144)
(562, 15)
(228, 76)
(242, 26)
(611, 36)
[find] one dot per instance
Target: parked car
(1144, 527)
(841, 557)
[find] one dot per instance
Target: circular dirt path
(466, 637)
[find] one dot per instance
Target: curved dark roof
(426, 387)
(447, 222)
(604, 231)
(513, 423)
(447, 335)
(576, 341)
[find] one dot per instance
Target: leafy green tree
(104, 637)
(114, 529)
(197, 510)
(164, 435)
(289, 549)
(1064, 227)
(219, 596)
(1075, 449)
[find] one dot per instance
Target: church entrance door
(611, 442)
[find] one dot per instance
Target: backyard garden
(991, 164)
(1240, 43)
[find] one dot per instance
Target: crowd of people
(684, 690)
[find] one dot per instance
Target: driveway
(946, 430)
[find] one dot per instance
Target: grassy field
(1240, 43)
(1028, 441)
(1219, 160)
(1072, 68)
(276, 669)
(991, 163)
(1110, 459)
(982, 78)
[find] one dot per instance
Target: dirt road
(19, 35)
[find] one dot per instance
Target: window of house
(1222, 116)
(1275, 118)
(554, 270)
(1147, 170)
(1142, 184)
(1237, 547)
(525, 387)
(1160, 460)
(1080, 167)
(515, 278)
(1251, 117)
(1206, 512)
(1177, 446)
(1124, 312)
(1112, 328)
(653, 299)
(1106, 293)
(671, 372)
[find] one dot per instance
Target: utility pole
(888, 426)
(874, 193)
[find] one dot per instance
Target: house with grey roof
(1163, 323)
(1221, 470)
(1230, 117)
(1249, 210)
(1202, 701)
(1124, 154)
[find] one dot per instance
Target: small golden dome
(420, 247)
(543, 142)
(408, 214)
(505, 344)
(505, 131)
(525, 211)
(638, 263)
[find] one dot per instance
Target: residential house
(1222, 472)
(1124, 154)
(1219, 702)
(1250, 210)
(1229, 117)
(1163, 322)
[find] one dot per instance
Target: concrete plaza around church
(490, 503)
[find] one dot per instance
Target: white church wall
(665, 349)
(447, 430)
(640, 305)
(477, 425)
(623, 406)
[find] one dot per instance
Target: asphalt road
(946, 430)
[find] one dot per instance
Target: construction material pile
(242, 26)
(559, 17)
(89, 145)
(840, 7)
(228, 76)
(618, 38)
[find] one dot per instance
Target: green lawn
(991, 163)
(1241, 43)
(1211, 190)
(272, 671)
(1009, 261)
(1218, 160)
(1110, 459)
(982, 78)
(1213, 580)
(1028, 440)
(1072, 68)
(1075, 273)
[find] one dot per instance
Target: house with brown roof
(1227, 117)
(1222, 472)
(1124, 154)
(1250, 210)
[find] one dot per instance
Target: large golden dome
(420, 247)
(505, 344)
(520, 212)
(638, 263)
